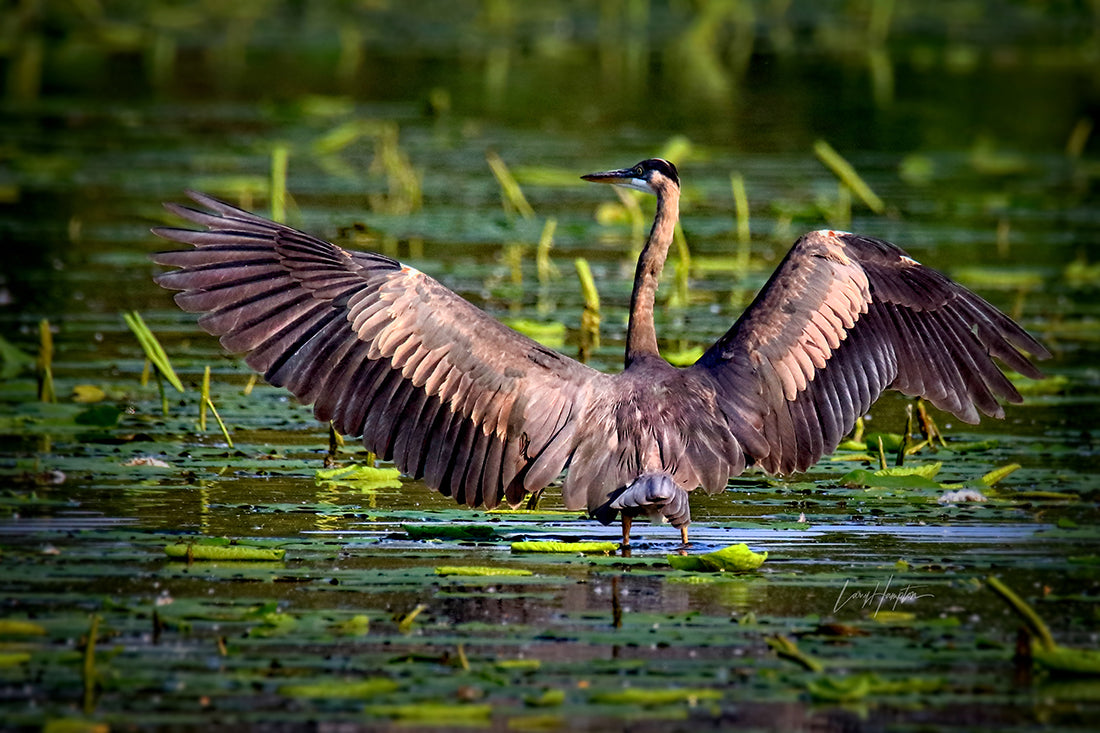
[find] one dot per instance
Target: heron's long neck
(641, 334)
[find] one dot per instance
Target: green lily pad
(184, 551)
(479, 570)
(581, 547)
(647, 697)
(441, 531)
(337, 689)
(735, 558)
(1067, 660)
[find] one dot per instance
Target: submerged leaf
(100, 416)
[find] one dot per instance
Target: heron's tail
(655, 494)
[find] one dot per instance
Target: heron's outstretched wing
(384, 351)
(842, 319)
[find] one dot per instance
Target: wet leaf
(649, 697)
(549, 698)
(197, 552)
(358, 625)
(571, 547)
(479, 570)
(456, 531)
(900, 477)
(356, 472)
(13, 659)
(88, 393)
(339, 689)
(1067, 660)
(431, 713)
(735, 559)
(16, 627)
(785, 647)
(999, 474)
(75, 725)
(841, 689)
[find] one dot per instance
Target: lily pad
(574, 547)
(189, 552)
(735, 558)
(647, 697)
(337, 689)
(479, 570)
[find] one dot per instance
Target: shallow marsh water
(963, 133)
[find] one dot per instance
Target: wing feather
(842, 319)
(383, 351)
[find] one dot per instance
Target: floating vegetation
(452, 531)
(733, 559)
(342, 689)
(433, 713)
(17, 627)
(855, 687)
(897, 477)
(1044, 649)
(357, 472)
(786, 648)
(649, 697)
(195, 552)
(480, 570)
(585, 548)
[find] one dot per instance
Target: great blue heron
(486, 414)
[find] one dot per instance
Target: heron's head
(650, 176)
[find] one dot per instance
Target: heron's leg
(626, 529)
(684, 533)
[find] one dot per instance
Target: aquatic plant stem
(847, 174)
(1034, 624)
(88, 672)
(280, 156)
